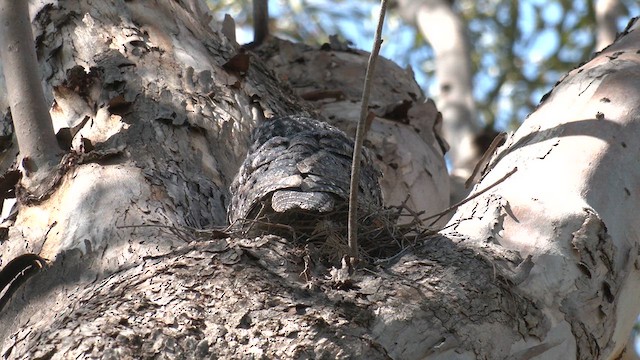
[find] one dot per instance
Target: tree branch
(39, 149)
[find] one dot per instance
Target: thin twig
(482, 164)
(439, 215)
(360, 133)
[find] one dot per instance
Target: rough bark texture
(300, 165)
(527, 270)
(405, 135)
(149, 86)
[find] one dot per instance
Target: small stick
(360, 133)
(482, 164)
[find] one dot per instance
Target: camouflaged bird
(299, 168)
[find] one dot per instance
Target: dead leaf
(239, 63)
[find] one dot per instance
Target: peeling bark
(133, 81)
(405, 135)
(542, 265)
(571, 204)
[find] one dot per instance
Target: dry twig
(360, 133)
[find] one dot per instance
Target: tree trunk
(446, 32)
(607, 12)
(544, 264)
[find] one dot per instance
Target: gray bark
(406, 134)
(520, 272)
(39, 149)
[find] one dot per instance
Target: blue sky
(536, 48)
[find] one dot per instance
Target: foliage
(520, 48)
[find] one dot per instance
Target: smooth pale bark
(607, 12)
(446, 32)
(573, 203)
(39, 151)
(176, 122)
